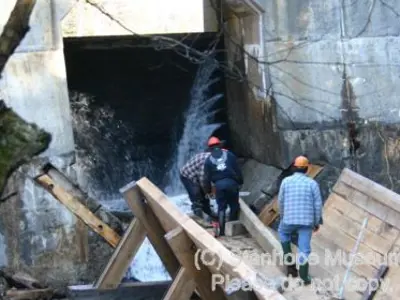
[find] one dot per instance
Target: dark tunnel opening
(129, 102)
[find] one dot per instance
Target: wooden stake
(155, 232)
(122, 256)
(182, 287)
(79, 210)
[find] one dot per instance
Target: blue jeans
(227, 194)
(304, 238)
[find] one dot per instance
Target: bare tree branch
(15, 29)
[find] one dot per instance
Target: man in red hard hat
(222, 170)
(300, 206)
(192, 177)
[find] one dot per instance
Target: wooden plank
(334, 271)
(271, 211)
(171, 217)
(79, 210)
(366, 265)
(155, 231)
(182, 287)
(119, 262)
(357, 215)
(365, 202)
(335, 218)
(185, 251)
(381, 273)
(372, 189)
(261, 233)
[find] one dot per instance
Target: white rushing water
(198, 126)
(146, 265)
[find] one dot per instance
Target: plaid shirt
(194, 168)
(300, 201)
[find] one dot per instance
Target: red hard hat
(212, 141)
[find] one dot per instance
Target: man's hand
(316, 228)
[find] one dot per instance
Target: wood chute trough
(178, 240)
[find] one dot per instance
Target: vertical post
(155, 232)
(185, 251)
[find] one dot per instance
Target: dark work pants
(227, 194)
(196, 195)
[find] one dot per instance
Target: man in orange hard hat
(300, 206)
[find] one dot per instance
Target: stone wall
(333, 67)
(251, 118)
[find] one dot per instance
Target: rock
(257, 177)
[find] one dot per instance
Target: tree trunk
(15, 29)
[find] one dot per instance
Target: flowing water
(198, 126)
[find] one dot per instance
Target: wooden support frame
(119, 262)
(170, 218)
(182, 287)
(155, 232)
(79, 210)
(185, 251)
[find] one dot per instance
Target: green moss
(19, 142)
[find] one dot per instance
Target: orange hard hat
(212, 141)
(301, 162)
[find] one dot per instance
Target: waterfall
(133, 164)
(198, 125)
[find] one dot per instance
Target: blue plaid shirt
(300, 201)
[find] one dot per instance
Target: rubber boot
(303, 270)
(221, 221)
(291, 265)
